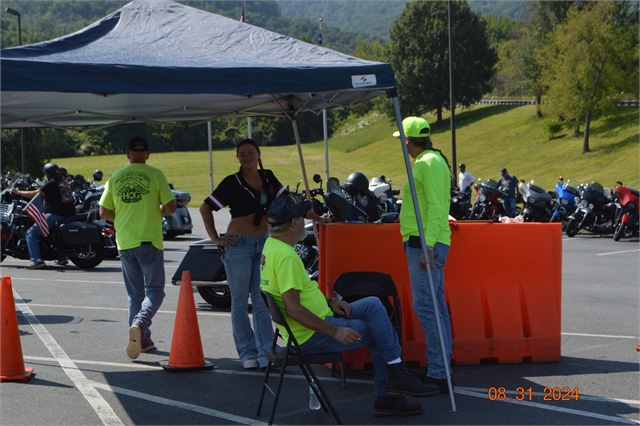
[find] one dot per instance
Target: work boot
(402, 381)
(147, 346)
(390, 405)
(440, 383)
(135, 341)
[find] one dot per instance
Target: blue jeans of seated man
(509, 204)
(369, 318)
(143, 272)
(242, 265)
(34, 234)
(424, 309)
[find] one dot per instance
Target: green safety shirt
(135, 193)
(433, 189)
(282, 270)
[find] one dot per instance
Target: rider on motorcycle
(58, 204)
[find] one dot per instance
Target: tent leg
(325, 128)
(210, 154)
(416, 207)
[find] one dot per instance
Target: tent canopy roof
(160, 61)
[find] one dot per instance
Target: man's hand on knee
(346, 335)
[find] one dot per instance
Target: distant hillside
(375, 16)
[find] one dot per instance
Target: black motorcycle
(596, 211)
(538, 204)
(460, 207)
(77, 237)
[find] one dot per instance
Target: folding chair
(293, 355)
(352, 286)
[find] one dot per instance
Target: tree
(588, 63)
(419, 54)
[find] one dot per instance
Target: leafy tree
(419, 54)
(589, 62)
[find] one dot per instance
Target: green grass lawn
(487, 139)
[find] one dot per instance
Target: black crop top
(242, 198)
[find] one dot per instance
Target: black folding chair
(352, 286)
(293, 355)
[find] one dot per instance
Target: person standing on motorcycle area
(465, 179)
(135, 198)
(248, 193)
(58, 204)
(432, 175)
(508, 185)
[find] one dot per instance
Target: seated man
(322, 324)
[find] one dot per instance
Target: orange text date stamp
(526, 394)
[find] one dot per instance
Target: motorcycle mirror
(317, 178)
(171, 186)
(298, 186)
(560, 178)
(619, 183)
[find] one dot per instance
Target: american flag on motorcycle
(35, 210)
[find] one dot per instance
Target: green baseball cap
(413, 128)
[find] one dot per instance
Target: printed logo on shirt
(130, 187)
(65, 192)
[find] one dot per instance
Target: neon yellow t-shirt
(135, 192)
(281, 271)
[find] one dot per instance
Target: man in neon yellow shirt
(432, 177)
(135, 199)
(321, 324)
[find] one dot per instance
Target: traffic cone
(186, 346)
(11, 363)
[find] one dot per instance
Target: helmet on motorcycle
(356, 184)
(97, 175)
(63, 171)
(51, 170)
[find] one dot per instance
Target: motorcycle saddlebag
(79, 233)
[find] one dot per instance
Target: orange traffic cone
(186, 346)
(11, 363)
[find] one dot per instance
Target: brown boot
(402, 381)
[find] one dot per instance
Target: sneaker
(62, 262)
(251, 364)
(402, 381)
(39, 264)
(440, 383)
(135, 341)
(390, 405)
(147, 346)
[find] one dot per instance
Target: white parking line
(617, 252)
(102, 409)
(102, 308)
(599, 335)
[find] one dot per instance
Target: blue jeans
(369, 318)
(242, 264)
(509, 204)
(34, 235)
(424, 309)
(143, 272)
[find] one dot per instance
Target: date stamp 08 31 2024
(526, 394)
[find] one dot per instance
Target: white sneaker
(135, 341)
(251, 364)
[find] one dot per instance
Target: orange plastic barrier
(503, 287)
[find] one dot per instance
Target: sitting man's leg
(369, 318)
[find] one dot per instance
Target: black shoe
(62, 262)
(440, 383)
(402, 381)
(36, 265)
(390, 405)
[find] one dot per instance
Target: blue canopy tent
(158, 61)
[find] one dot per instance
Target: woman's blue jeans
(143, 272)
(424, 309)
(242, 264)
(369, 318)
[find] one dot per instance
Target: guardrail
(529, 102)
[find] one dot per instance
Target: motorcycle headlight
(531, 199)
(482, 197)
(591, 206)
(584, 203)
(564, 201)
(631, 207)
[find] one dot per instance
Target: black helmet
(51, 170)
(462, 166)
(356, 184)
(97, 175)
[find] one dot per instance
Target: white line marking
(553, 408)
(99, 405)
(102, 308)
(599, 335)
(178, 404)
(585, 397)
(617, 252)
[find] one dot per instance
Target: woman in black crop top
(248, 193)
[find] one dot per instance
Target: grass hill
(488, 138)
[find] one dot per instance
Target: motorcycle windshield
(595, 187)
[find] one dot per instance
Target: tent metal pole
(416, 208)
(249, 128)
(210, 154)
(294, 122)
(325, 127)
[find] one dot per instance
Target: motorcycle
(178, 223)
(488, 205)
(77, 237)
(538, 205)
(566, 196)
(627, 223)
(596, 211)
(460, 207)
(387, 201)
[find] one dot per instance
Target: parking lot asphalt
(73, 328)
